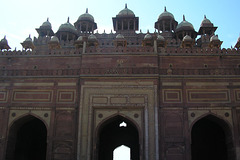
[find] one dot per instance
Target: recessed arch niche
(112, 134)
(27, 139)
(212, 139)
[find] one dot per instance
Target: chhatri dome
(86, 17)
(206, 22)
(46, 24)
(165, 15)
(184, 25)
(67, 27)
(126, 12)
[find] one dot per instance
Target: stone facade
(75, 86)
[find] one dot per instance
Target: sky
(19, 18)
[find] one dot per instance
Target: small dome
(165, 15)
(67, 27)
(160, 38)
(80, 38)
(184, 25)
(187, 38)
(46, 24)
(4, 41)
(206, 22)
(147, 36)
(119, 36)
(28, 39)
(92, 37)
(54, 39)
(214, 38)
(126, 12)
(86, 17)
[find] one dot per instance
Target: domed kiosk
(28, 43)
(207, 27)
(85, 23)
(4, 44)
(185, 28)
(166, 22)
(67, 32)
(125, 21)
(45, 29)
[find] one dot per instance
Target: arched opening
(116, 132)
(122, 153)
(212, 139)
(27, 140)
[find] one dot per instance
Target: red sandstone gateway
(64, 96)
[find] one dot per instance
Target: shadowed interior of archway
(212, 139)
(27, 140)
(112, 135)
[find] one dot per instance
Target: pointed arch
(217, 118)
(110, 136)
(116, 116)
(119, 151)
(27, 139)
(212, 137)
(24, 117)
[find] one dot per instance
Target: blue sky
(20, 18)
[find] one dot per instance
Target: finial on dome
(47, 19)
(165, 9)
(148, 31)
(5, 37)
(68, 20)
(205, 17)
(125, 5)
(86, 10)
(184, 18)
(29, 35)
(104, 31)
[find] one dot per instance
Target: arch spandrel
(44, 116)
(134, 116)
(195, 115)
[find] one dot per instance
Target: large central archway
(27, 140)
(212, 139)
(115, 132)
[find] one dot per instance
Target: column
(134, 25)
(122, 24)
(155, 46)
(87, 28)
(163, 26)
(67, 37)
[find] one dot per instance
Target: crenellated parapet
(124, 50)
